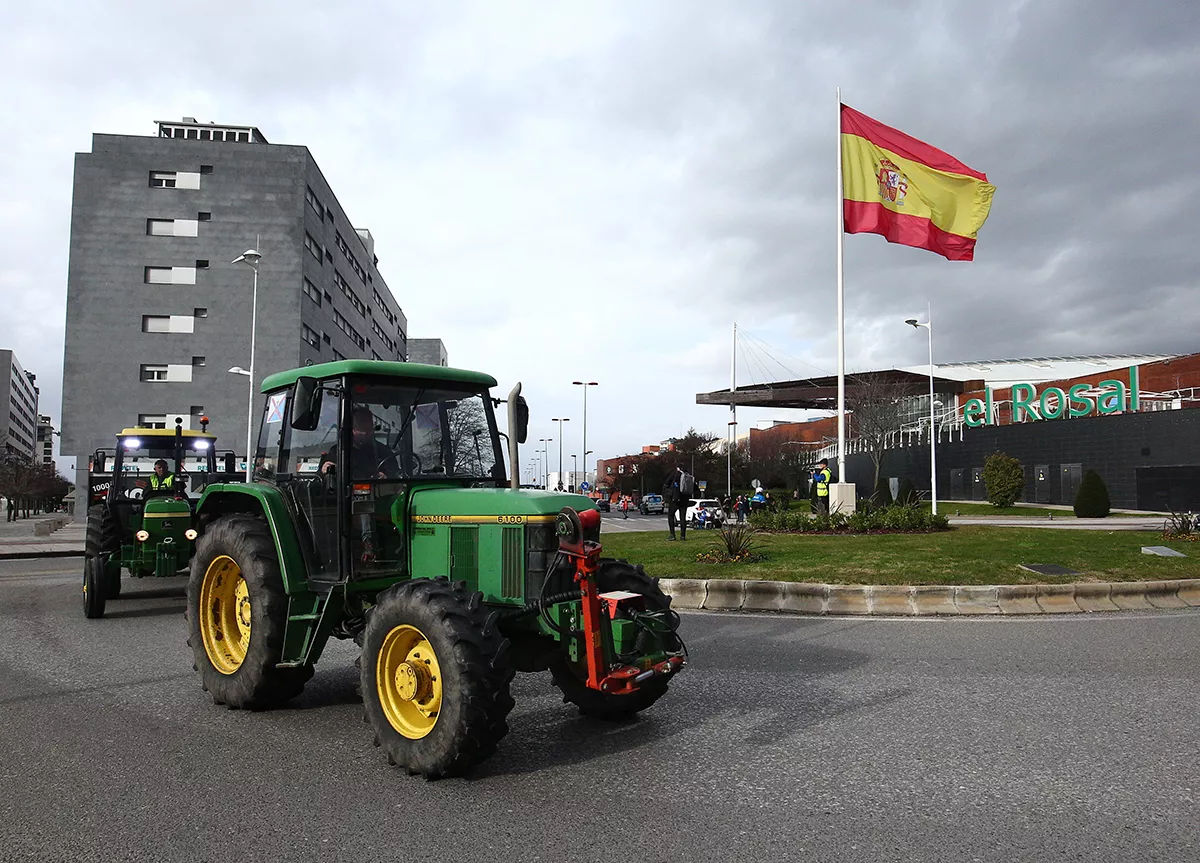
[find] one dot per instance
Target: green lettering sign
(973, 413)
(1022, 395)
(1052, 403)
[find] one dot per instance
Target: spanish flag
(911, 193)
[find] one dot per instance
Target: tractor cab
(348, 450)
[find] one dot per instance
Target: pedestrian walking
(625, 507)
(676, 490)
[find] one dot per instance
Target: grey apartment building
(18, 408)
(156, 313)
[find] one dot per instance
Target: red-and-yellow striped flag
(908, 191)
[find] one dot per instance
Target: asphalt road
(786, 739)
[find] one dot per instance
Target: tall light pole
(928, 325)
(250, 258)
(545, 442)
(574, 470)
(586, 451)
(560, 421)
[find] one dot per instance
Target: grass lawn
(962, 555)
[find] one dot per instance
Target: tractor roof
(416, 371)
(167, 433)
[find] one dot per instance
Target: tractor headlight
(190, 533)
(201, 444)
(143, 535)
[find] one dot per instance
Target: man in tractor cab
(369, 459)
(162, 481)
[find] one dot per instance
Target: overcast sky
(598, 191)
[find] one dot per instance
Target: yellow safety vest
(823, 477)
(157, 484)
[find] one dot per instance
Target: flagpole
(841, 305)
(731, 434)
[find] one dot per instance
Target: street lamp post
(928, 325)
(560, 421)
(574, 470)
(250, 258)
(586, 451)
(545, 442)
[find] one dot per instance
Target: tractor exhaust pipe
(518, 427)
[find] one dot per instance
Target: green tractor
(137, 522)
(380, 512)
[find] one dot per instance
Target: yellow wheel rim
(225, 614)
(409, 681)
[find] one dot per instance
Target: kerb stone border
(791, 597)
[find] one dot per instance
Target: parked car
(652, 503)
(603, 505)
(712, 507)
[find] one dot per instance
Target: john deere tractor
(136, 522)
(380, 512)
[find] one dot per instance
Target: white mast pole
(731, 436)
(932, 418)
(841, 311)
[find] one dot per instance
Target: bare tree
(876, 406)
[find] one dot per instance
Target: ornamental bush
(1003, 478)
(891, 519)
(1091, 501)
(883, 492)
(906, 495)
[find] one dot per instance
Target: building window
(154, 373)
(172, 227)
(170, 275)
(168, 324)
(201, 265)
(197, 361)
(174, 180)
(338, 355)
(314, 248)
(197, 410)
(204, 217)
(206, 169)
(344, 286)
(314, 202)
(325, 338)
(310, 335)
(162, 179)
(310, 290)
(328, 296)
(152, 421)
(199, 313)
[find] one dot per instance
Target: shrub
(882, 495)
(1003, 478)
(1091, 501)
(906, 495)
(894, 518)
(734, 543)
(1181, 525)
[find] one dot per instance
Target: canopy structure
(820, 393)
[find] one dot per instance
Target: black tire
(252, 681)
(102, 539)
(475, 673)
(612, 575)
(93, 588)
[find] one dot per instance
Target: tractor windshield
(135, 475)
(430, 431)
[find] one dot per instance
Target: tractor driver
(162, 481)
(369, 459)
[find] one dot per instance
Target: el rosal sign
(1053, 403)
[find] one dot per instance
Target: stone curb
(791, 597)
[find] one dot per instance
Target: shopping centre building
(1129, 418)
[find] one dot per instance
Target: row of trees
(29, 486)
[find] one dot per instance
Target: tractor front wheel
(435, 677)
(102, 538)
(570, 676)
(93, 587)
(237, 613)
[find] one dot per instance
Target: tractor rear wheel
(102, 538)
(93, 587)
(237, 613)
(435, 677)
(570, 676)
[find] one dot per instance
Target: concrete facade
(157, 314)
(45, 440)
(18, 408)
(429, 351)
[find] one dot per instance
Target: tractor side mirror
(522, 414)
(230, 463)
(98, 462)
(306, 404)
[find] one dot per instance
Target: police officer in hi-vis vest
(821, 478)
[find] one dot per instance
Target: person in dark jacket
(676, 503)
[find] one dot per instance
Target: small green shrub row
(889, 518)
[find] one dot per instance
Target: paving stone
(1095, 597)
(685, 592)
(1162, 551)
(804, 597)
(976, 599)
(763, 596)
(725, 594)
(891, 599)
(848, 599)
(1189, 591)
(1129, 596)
(934, 599)
(1018, 599)
(1058, 599)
